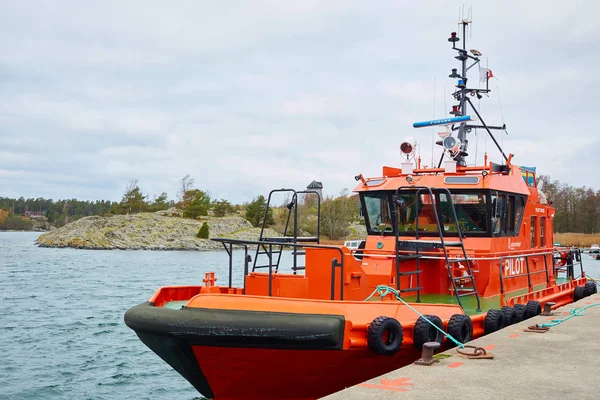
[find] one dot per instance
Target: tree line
(577, 208)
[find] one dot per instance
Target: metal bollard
(548, 309)
(427, 354)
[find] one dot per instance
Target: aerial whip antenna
(432, 128)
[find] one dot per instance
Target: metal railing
(528, 273)
(230, 243)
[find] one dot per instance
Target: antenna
(432, 128)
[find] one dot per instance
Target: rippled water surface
(62, 334)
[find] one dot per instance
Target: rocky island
(162, 230)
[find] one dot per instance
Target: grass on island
(577, 239)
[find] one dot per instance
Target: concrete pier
(562, 363)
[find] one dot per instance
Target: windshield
(471, 209)
(378, 212)
(471, 212)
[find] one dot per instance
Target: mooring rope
(576, 312)
(383, 290)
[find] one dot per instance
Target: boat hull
(234, 354)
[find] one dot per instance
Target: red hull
(232, 373)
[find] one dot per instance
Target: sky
(249, 96)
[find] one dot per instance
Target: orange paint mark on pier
(514, 335)
(490, 347)
(393, 385)
(455, 365)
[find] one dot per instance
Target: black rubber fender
(590, 288)
(532, 309)
(424, 332)
(385, 336)
(520, 310)
(460, 327)
(494, 321)
(510, 315)
(578, 293)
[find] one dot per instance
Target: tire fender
(494, 321)
(424, 332)
(384, 336)
(460, 327)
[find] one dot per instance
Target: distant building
(317, 187)
(35, 214)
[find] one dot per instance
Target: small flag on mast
(485, 74)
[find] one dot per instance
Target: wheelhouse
(480, 212)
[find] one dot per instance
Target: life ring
(561, 258)
(460, 272)
(532, 309)
(384, 336)
(494, 321)
(460, 327)
(425, 332)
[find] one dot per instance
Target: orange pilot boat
(452, 253)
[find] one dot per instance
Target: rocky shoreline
(163, 230)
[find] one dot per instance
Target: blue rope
(576, 312)
(383, 290)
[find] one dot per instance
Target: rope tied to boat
(384, 290)
(576, 312)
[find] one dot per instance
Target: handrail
(241, 242)
(528, 274)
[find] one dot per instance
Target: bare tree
(187, 184)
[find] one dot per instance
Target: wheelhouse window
(507, 213)
(378, 212)
(413, 216)
(471, 212)
(532, 230)
(542, 231)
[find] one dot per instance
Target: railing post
(230, 262)
(546, 267)
(501, 282)
(334, 264)
(528, 273)
(270, 270)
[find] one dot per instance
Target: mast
(461, 95)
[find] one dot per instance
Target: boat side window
(542, 231)
(498, 213)
(378, 212)
(519, 207)
(507, 214)
(532, 230)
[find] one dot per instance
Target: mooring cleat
(427, 354)
(548, 309)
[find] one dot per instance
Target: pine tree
(203, 232)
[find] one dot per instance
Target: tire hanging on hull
(385, 336)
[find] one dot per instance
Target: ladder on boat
(461, 286)
(271, 250)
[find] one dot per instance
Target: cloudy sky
(246, 96)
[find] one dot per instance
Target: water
(62, 334)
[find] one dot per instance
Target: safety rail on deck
(570, 272)
(528, 273)
(573, 258)
(229, 243)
